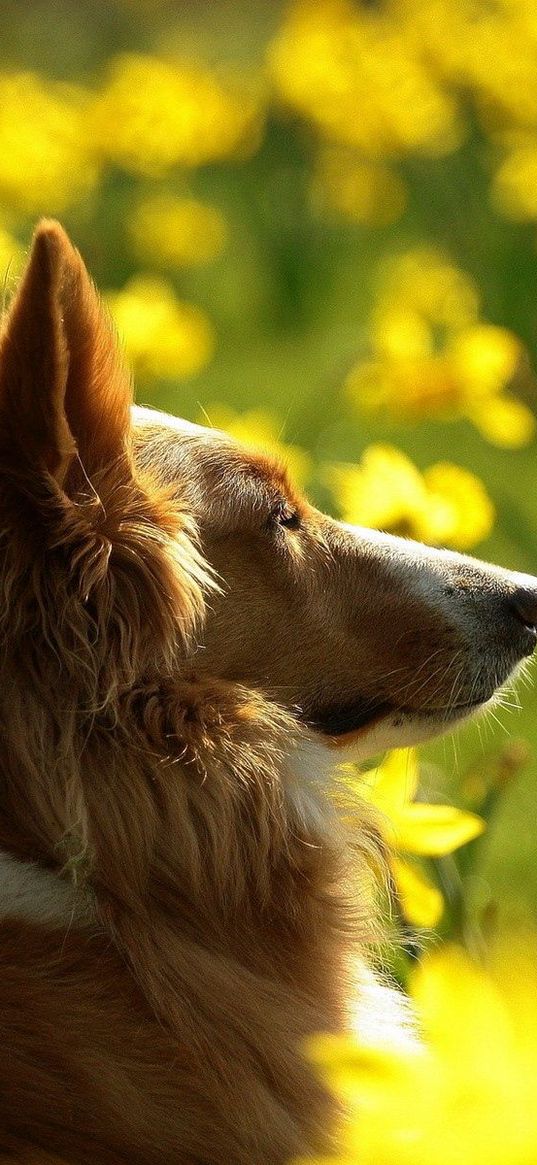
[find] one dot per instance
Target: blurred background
(315, 224)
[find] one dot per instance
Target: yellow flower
(468, 1094)
(433, 355)
(403, 66)
(444, 506)
(163, 337)
(47, 160)
(177, 231)
(153, 114)
(504, 421)
(346, 68)
(460, 512)
(361, 190)
(488, 49)
(260, 429)
(514, 190)
(415, 828)
(423, 281)
(485, 359)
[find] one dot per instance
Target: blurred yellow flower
(163, 337)
(468, 1094)
(488, 50)
(515, 182)
(260, 429)
(444, 506)
(484, 359)
(413, 827)
(394, 78)
(154, 114)
(433, 355)
(47, 160)
(177, 231)
(505, 421)
(352, 72)
(361, 190)
(423, 282)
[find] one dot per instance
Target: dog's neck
(31, 892)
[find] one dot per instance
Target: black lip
(447, 712)
(476, 702)
(340, 719)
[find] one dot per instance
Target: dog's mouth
(339, 720)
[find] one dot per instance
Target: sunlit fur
(180, 904)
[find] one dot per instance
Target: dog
(189, 648)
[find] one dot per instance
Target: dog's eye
(285, 516)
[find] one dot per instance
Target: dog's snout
(504, 606)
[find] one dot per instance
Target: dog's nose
(523, 605)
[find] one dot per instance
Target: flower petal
(421, 903)
(436, 829)
(394, 782)
(504, 421)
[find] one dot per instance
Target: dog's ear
(63, 388)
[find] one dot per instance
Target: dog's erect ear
(63, 388)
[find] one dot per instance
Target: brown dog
(187, 645)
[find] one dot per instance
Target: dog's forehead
(149, 421)
(208, 460)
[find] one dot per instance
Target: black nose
(523, 604)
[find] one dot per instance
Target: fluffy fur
(180, 905)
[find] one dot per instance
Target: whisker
(491, 715)
(205, 414)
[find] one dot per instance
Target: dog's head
(372, 641)
(138, 555)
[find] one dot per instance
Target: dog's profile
(187, 649)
